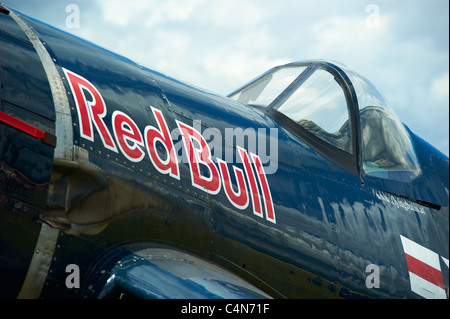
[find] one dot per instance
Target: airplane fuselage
(150, 167)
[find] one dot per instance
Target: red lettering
(152, 136)
(205, 175)
(270, 214)
(197, 156)
(89, 111)
(257, 210)
(240, 198)
(128, 136)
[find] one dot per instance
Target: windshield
(312, 96)
(387, 151)
(263, 91)
(320, 94)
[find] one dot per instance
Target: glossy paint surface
(329, 226)
(25, 162)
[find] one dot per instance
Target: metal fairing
(141, 226)
(25, 166)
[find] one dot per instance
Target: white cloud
(235, 14)
(350, 40)
(115, 12)
(214, 44)
(221, 44)
(237, 68)
(439, 88)
(148, 12)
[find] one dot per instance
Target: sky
(402, 46)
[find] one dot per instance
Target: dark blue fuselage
(329, 225)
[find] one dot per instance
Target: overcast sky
(402, 46)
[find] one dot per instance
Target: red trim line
(28, 129)
(425, 271)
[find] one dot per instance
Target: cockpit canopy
(328, 106)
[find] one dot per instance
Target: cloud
(214, 44)
(401, 46)
(235, 14)
(350, 39)
(437, 111)
(150, 12)
(439, 88)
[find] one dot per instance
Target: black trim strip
(4, 10)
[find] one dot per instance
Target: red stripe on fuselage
(425, 271)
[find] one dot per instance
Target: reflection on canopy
(387, 151)
(314, 98)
